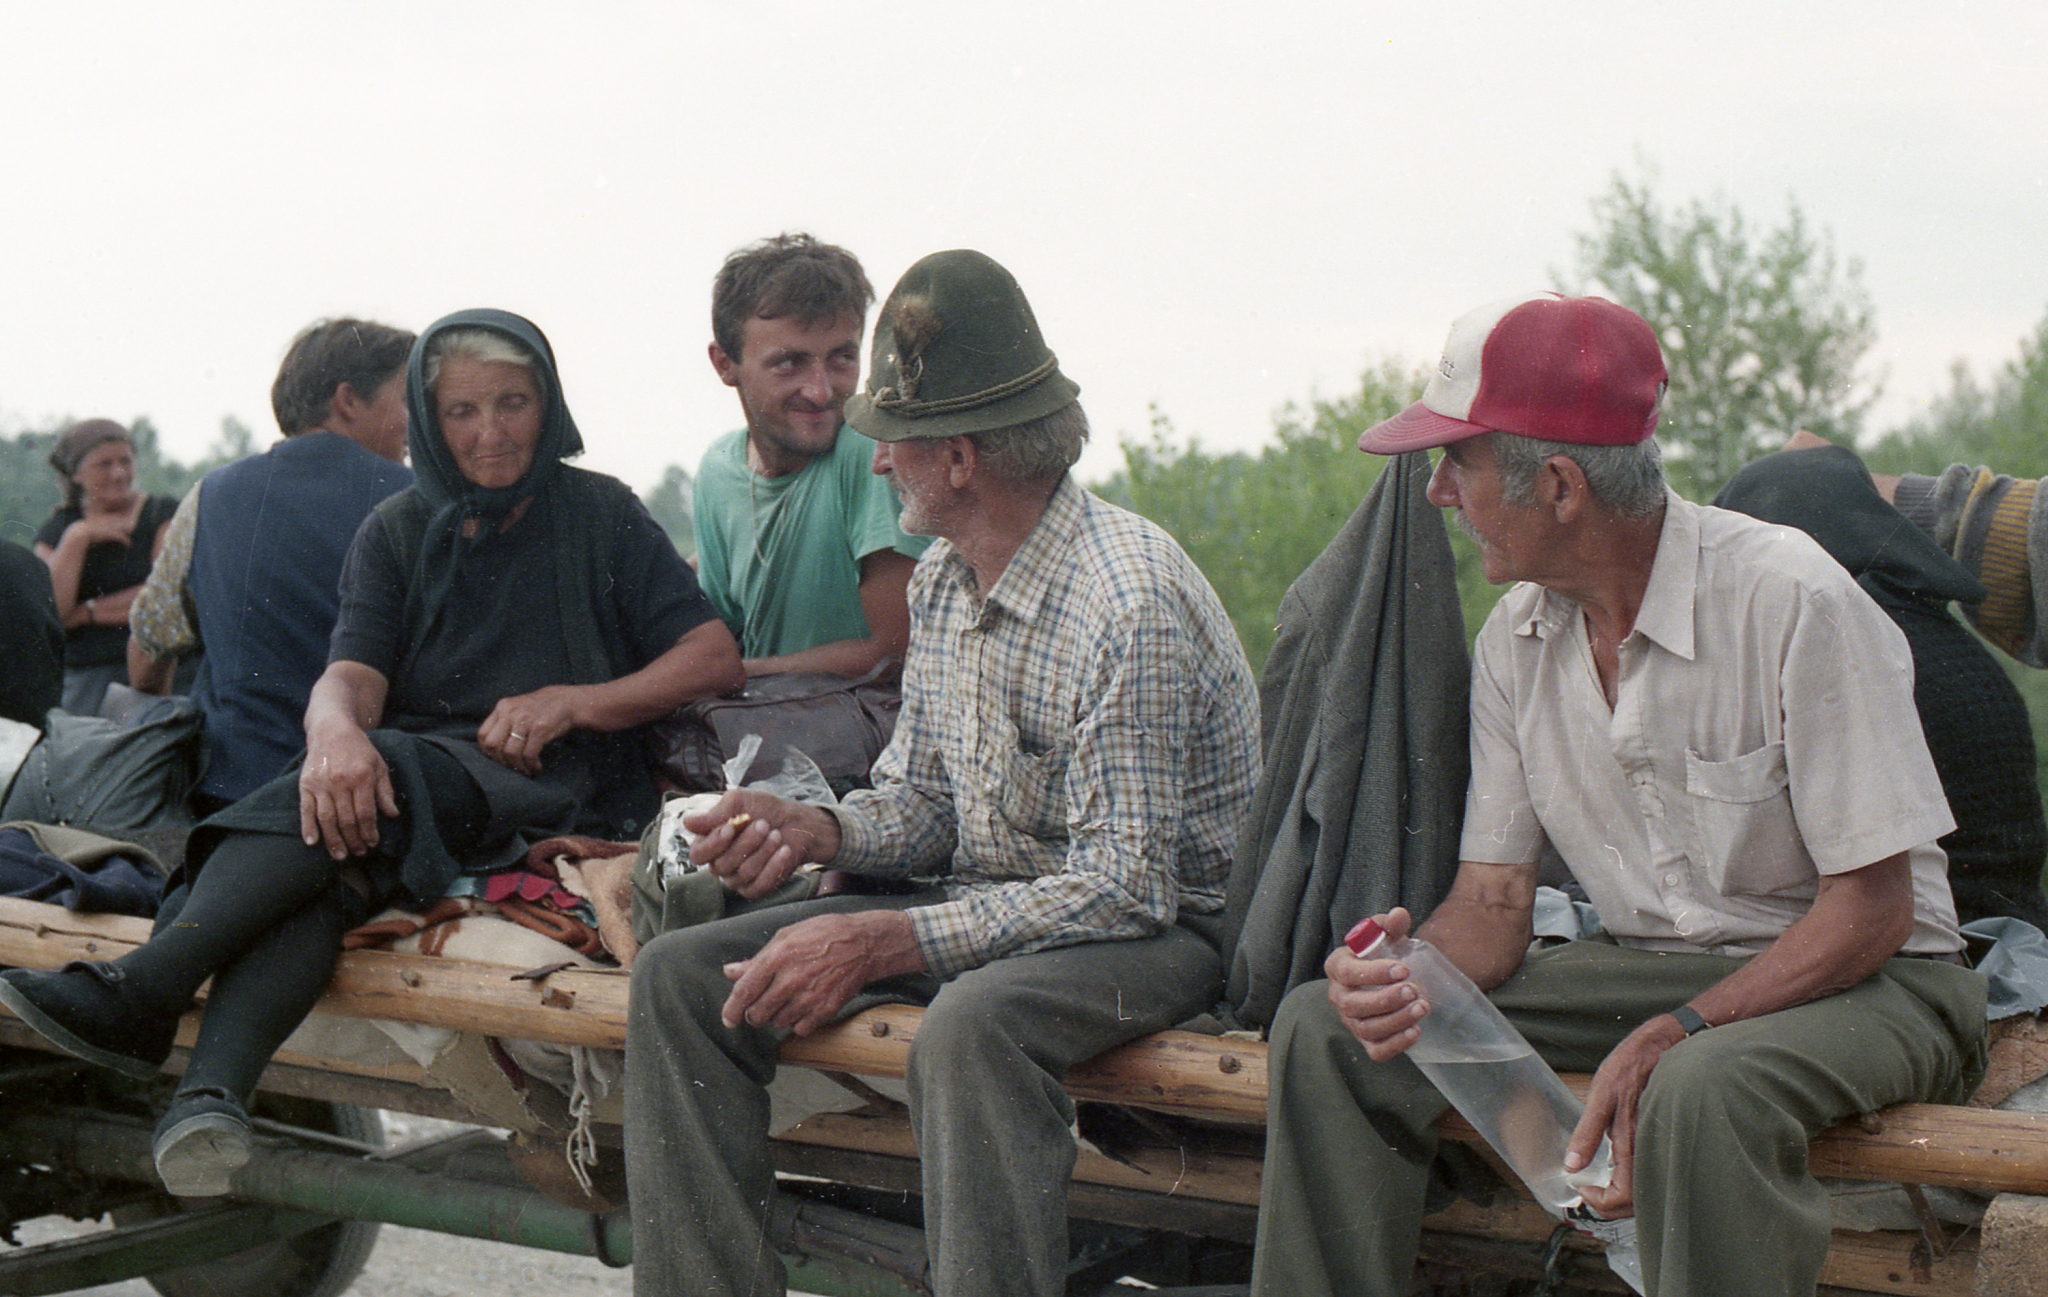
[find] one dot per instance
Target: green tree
(28, 489)
(1253, 522)
(1999, 426)
(1762, 330)
(669, 502)
(153, 473)
(236, 441)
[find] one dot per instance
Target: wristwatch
(1690, 1019)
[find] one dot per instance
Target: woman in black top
(99, 544)
(506, 625)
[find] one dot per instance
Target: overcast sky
(1214, 208)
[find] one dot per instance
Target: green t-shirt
(780, 556)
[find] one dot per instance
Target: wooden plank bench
(1208, 1187)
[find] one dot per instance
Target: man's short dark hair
(327, 354)
(790, 274)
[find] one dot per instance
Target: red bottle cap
(1364, 935)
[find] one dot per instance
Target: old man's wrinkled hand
(808, 971)
(754, 841)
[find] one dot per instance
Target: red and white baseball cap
(1574, 369)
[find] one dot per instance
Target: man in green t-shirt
(798, 542)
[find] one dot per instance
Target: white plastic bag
(799, 780)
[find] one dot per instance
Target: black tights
(264, 918)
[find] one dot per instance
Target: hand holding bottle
(1374, 995)
(1398, 994)
(1611, 1108)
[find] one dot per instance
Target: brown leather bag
(841, 724)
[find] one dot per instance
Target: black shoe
(201, 1142)
(90, 1011)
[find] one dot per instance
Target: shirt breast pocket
(1033, 796)
(1745, 837)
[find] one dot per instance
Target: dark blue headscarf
(436, 475)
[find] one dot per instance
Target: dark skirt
(478, 815)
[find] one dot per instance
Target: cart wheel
(318, 1263)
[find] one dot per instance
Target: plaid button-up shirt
(1076, 752)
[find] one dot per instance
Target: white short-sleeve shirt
(1763, 734)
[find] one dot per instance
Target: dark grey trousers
(993, 1124)
(1724, 1203)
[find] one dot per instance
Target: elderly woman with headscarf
(99, 544)
(506, 624)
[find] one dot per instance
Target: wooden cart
(1166, 1193)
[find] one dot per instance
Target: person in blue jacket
(250, 570)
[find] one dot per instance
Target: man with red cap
(1714, 728)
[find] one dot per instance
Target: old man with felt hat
(1041, 862)
(1713, 726)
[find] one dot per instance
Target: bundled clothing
(1363, 704)
(1995, 527)
(78, 870)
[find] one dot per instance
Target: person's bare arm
(1858, 920)
(111, 609)
(705, 661)
(884, 599)
(344, 784)
(150, 675)
(67, 563)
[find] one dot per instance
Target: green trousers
(993, 1124)
(1724, 1202)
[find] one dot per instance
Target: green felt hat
(957, 350)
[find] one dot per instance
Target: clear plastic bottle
(1492, 1075)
